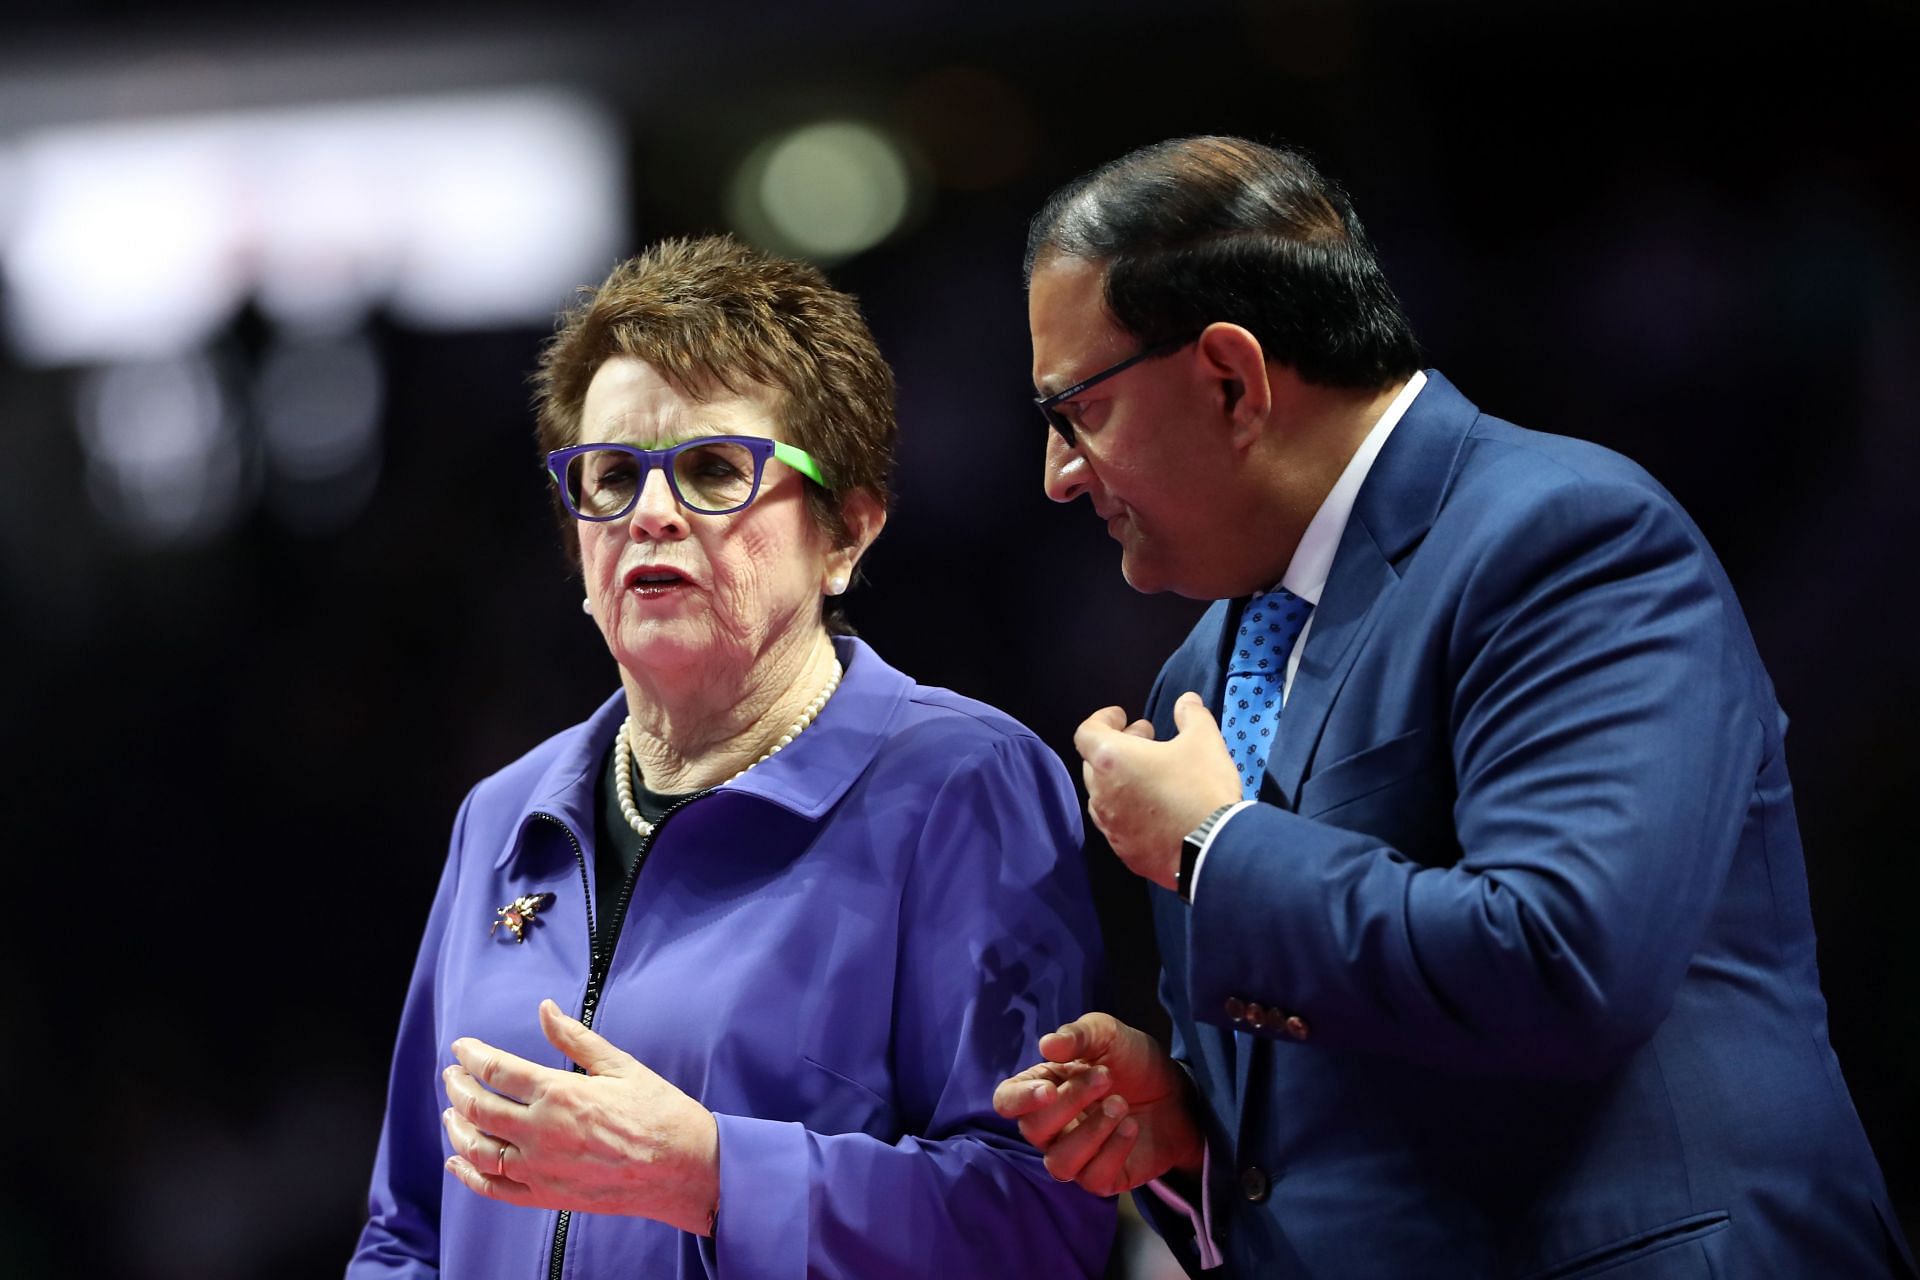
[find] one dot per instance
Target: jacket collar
(1409, 481)
(810, 776)
(1396, 506)
(805, 778)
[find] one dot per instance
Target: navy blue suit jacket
(1522, 905)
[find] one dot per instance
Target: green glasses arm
(799, 460)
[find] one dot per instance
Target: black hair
(1197, 230)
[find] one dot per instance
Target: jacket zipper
(598, 960)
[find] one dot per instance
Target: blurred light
(10, 191)
(318, 406)
(503, 228)
(140, 240)
(825, 191)
(162, 458)
(975, 128)
(118, 248)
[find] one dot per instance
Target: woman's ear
(864, 515)
(1233, 361)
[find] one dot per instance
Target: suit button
(1297, 1027)
(1236, 1008)
(1254, 1184)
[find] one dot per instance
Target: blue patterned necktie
(1256, 674)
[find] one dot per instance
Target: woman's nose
(657, 513)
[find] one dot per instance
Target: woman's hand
(616, 1140)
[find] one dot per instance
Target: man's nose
(1067, 475)
(657, 513)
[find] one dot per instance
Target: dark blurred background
(278, 580)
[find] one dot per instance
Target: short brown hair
(715, 312)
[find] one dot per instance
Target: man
(1481, 904)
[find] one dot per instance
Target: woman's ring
(501, 1162)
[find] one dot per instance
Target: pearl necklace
(623, 754)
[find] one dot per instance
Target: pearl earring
(586, 606)
(836, 586)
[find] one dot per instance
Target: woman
(804, 913)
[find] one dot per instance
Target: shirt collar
(1312, 561)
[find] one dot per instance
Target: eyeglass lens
(715, 476)
(1058, 421)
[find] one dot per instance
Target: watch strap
(1190, 851)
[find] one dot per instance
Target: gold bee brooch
(519, 915)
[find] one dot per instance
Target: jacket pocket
(1400, 792)
(1620, 1259)
(1361, 774)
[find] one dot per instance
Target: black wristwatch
(1190, 851)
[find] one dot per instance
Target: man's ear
(1232, 360)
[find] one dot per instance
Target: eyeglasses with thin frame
(713, 475)
(1059, 421)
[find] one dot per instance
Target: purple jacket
(839, 954)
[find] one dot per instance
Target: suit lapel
(1348, 607)
(1210, 679)
(1393, 510)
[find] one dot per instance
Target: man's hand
(1108, 1108)
(1145, 796)
(617, 1140)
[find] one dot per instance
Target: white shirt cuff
(1203, 1219)
(1200, 859)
